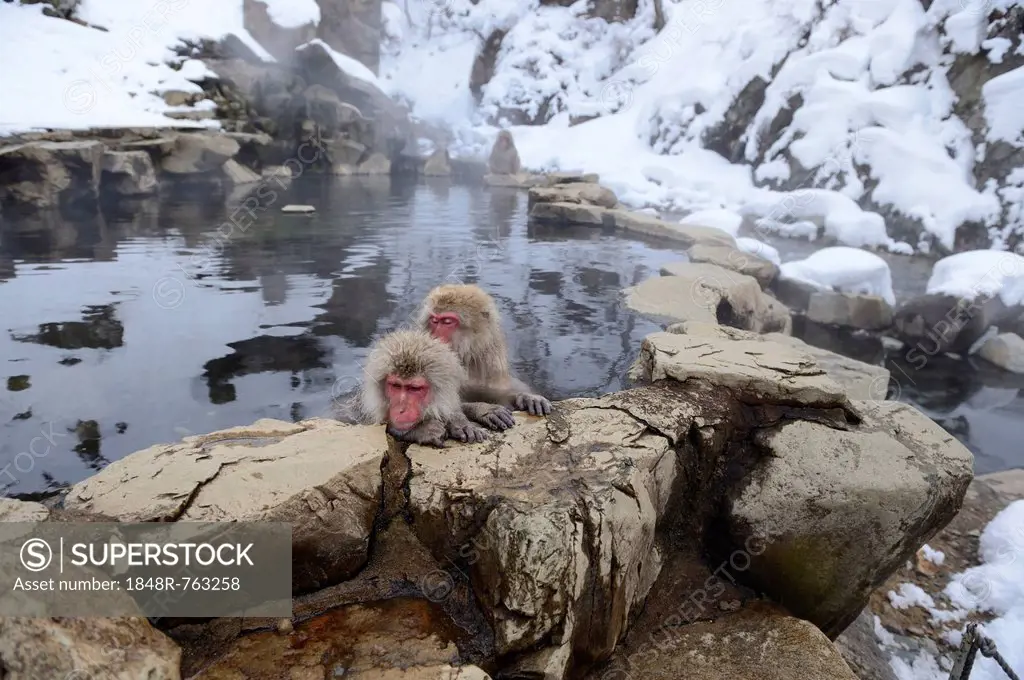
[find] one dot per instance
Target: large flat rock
(320, 475)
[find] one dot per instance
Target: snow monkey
(466, 317)
(504, 159)
(412, 383)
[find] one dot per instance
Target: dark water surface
(121, 332)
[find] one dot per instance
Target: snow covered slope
(854, 99)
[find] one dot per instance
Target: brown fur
(504, 159)
(479, 342)
(407, 354)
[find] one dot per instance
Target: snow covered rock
(128, 173)
(726, 220)
(937, 324)
(279, 28)
(583, 192)
(690, 291)
(736, 260)
(1005, 350)
(759, 248)
(974, 274)
(865, 312)
(843, 269)
(886, 485)
(41, 175)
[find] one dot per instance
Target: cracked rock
(321, 476)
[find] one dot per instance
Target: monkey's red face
(407, 400)
(444, 325)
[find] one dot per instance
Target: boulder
(865, 312)
(93, 648)
(756, 371)
(438, 165)
(561, 212)
(556, 178)
(1006, 351)
(572, 213)
(736, 260)
(859, 380)
(128, 173)
(41, 175)
(376, 164)
(793, 293)
(522, 180)
(751, 644)
(709, 294)
(345, 155)
(198, 153)
(584, 193)
(237, 174)
(838, 511)
(280, 175)
(353, 28)
(321, 476)
(12, 510)
(937, 324)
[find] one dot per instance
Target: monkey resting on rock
(465, 317)
(412, 383)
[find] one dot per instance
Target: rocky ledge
(745, 486)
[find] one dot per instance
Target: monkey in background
(412, 383)
(465, 317)
(504, 159)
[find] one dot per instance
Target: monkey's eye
(415, 388)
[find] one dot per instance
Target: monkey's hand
(534, 404)
(429, 433)
(493, 416)
(465, 431)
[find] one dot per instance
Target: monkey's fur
(480, 346)
(414, 353)
(504, 159)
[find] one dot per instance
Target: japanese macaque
(504, 159)
(466, 318)
(412, 384)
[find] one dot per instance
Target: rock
(321, 476)
(438, 165)
(332, 116)
(199, 153)
(301, 209)
(859, 380)
(859, 646)
(12, 510)
(936, 324)
(1006, 351)
(735, 260)
(866, 312)
(376, 164)
(396, 640)
(571, 213)
(279, 174)
(128, 173)
(751, 644)
(237, 174)
(584, 193)
(345, 155)
(41, 175)
(757, 371)
(556, 178)
(710, 294)
(353, 28)
(885, 486)
(94, 648)
(522, 180)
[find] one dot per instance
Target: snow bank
(849, 270)
(723, 220)
(73, 77)
(293, 13)
(977, 273)
(759, 248)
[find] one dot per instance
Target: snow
(1003, 110)
(843, 269)
(352, 67)
(292, 13)
(723, 220)
(975, 273)
(759, 248)
(936, 557)
(79, 77)
(910, 595)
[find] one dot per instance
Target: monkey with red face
(466, 318)
(412, 383)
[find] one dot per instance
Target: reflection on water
(124, 331)
(135, 329)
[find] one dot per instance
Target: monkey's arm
(427, 433)
(493, 416)
(516, 395)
